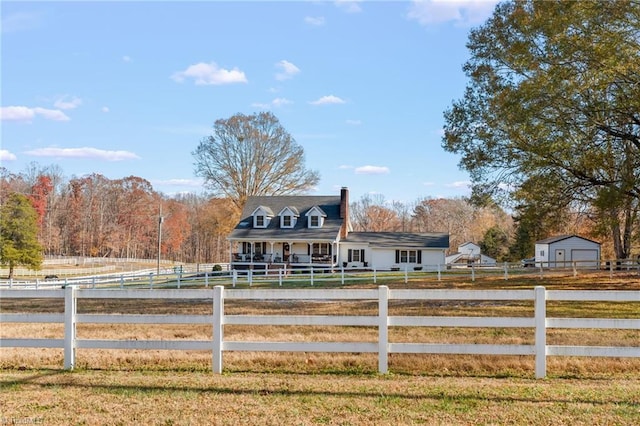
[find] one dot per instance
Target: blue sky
(130, 88)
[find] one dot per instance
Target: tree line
(99, 217)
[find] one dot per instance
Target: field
(171, 387)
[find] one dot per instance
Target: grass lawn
(114, 387)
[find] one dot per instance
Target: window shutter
(308, 249)
(362, 255)
(349, 256)
(419, 256)
(397, 256)
(264, 246)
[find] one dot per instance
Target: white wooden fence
(382, 321)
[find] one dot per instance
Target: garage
(563, 251)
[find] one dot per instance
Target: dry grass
(177, 387)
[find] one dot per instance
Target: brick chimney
(344, 212)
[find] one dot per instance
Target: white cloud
(126, 58)
(354, 122)
(104, 109)
(326, 100)
(277, 102)
(179, 182)
(23, 113)
(316, 21)
(19, 21)
(281, 102)
(68, 102)
(372, 170)
(83, 153)
(345, 167)
(5, 155)
(462, 12)
(349, 6)
(287, 70)
(210, 74)
(461, 184)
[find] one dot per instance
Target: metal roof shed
(563, 250)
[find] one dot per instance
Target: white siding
(575, 249)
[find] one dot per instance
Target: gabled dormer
(262, 217)
(315, 217)
(288, 217)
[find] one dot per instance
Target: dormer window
(261, 217)
(315, 217)
(288, 217)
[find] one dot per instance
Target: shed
(563, 250)
(469, 254)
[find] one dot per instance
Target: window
(321, 248)
(286, 221)
(355, 255)
(259, 221)
(408, 256)
(314, 221)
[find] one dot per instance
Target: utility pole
(160, 219)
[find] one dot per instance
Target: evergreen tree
(19, 234)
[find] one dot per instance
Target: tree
(19, 234)
(495, 243)
(252, 155)
(554, 96)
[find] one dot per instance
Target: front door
(560, 257)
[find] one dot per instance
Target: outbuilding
(565, 250)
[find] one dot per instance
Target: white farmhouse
(286, 232)
(563, 250)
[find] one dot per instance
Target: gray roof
(557, 238)
(302, 203)
(400, 239)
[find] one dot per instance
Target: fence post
(375, 276)
(121, 281)
(342, 275)
(93, 281)
(70, 309)
(383, 329)
(473, 272)
(311, 275)
(250, 276)
(151, 281)
(439, 273)
(280, 277)
(406, 274)
(179, 275)
(206, 279)
(540, 295)
(610, 269)
(575, 270)
(218, 315)
(506, 273)
(235, 277)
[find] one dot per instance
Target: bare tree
(252, 155)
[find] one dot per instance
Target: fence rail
(382, 321)
(203, 275)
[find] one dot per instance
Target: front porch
(283, 255)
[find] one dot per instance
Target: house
(469, 254)
(563, 250)
(277, 232)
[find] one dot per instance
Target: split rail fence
(382, 321)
